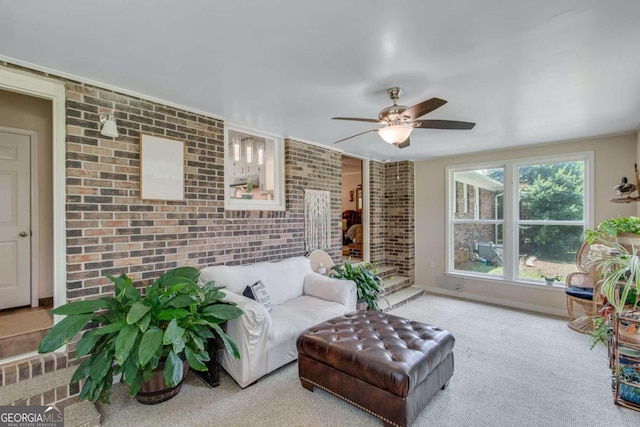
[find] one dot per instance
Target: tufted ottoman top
(389, 352)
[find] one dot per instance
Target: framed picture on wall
(161, 168)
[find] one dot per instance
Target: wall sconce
(236, 150)
(260, 153)
(249, 151)
(109, 126)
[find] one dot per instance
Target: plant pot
(628, 240)
(362, 305)
(550, 282)
(247, 195)
(156, 391)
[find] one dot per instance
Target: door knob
(23, 234)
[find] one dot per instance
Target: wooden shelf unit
(624, 351)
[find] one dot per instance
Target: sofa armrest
(330, 289)
(250, 333)
(254, 312)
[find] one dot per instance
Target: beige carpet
(512, 368)
(24, 323)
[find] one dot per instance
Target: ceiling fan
(400, 121)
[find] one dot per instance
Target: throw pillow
(260, 294)
(248, 293)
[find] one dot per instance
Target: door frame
(366, 250)
(54, 91)
(33, 212)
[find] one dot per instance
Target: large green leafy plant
(368, 284)
(171, 322)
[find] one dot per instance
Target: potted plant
(620, 269)
(368, 284)
(136, 334)
(549, 279)
(620, 263)
(626, 230)
(248, 190)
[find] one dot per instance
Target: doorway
(353, 210)
(26, 222)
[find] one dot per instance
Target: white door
(15, 214)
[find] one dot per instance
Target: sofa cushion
(283, 279)
(258, 293)
(248, 293)
(297, 314)
(578, 292)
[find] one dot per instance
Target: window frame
(278, 203)
(511, 212)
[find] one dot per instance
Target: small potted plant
(549, 279)
(248, 190)
(368, 283)
(164, 329)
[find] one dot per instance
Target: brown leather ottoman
(386, 365)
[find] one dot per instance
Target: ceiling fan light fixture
(395, 134)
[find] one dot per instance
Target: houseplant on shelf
(368, 283)
(620, 263)
(165, 327)
(619, 321)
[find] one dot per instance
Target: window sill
(498, 280)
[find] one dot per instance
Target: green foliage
(601, 332)
(172, 322)
(621, 271)
(614, 226)
(553, 191)
(368, 284)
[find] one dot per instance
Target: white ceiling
(525, 71)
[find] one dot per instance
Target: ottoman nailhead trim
(351, 402)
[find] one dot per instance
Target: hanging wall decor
(317, 219)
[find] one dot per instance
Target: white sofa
(300, 299)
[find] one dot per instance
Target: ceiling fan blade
(405, 143)
(423, 108)
(357, 134)
(357, 119)
(443, 124)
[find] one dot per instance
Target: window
(520, 221)
(254, 170)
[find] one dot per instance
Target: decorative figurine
(624, 189)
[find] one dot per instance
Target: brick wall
(376, 213)
(110, 230)
(314, 168)
(399, 217)
(467, 235)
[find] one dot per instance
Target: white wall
(350, 182)
(613, 158)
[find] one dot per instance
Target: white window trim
(511, 220)
(279, 202)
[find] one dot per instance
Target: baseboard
(45, 302)
(498, 301)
